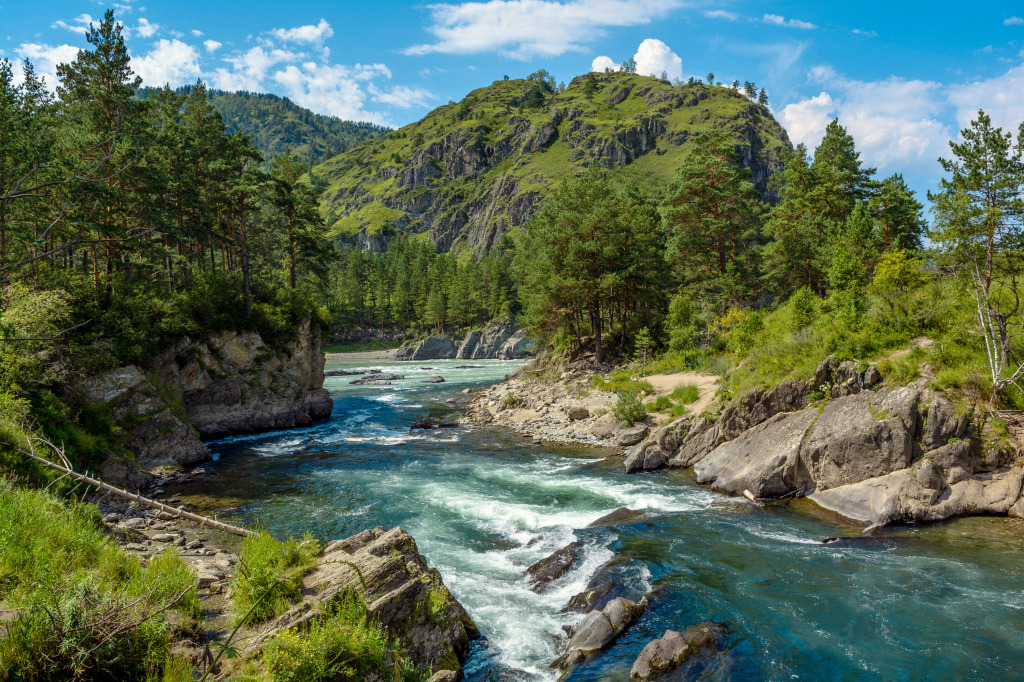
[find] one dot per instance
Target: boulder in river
(627, 437)
(343, 373)
(433, 380)
(600, 628)
(425, 423)
(663, 656)
(620, 577)
(555, 566)
(620, 515)
(376, 379)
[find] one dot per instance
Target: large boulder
(765, 459)
(617, 578)
(861, 436)
(401, 593)
(600, 628)
(430, 348)
(663, 656)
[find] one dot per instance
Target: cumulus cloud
(1013, 21)
(402, 96)
(1001, 97)
(197, 33)
(896, 122)
(170, 62)
(333, 89)
(522, 29)
(654, 57)
(146, 29)
(212, 45)
(305, 34)
(249, 69)
(777, 20)
(45, 59)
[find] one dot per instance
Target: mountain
(276, 123)
(472, 170)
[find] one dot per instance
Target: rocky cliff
(229, 383)
(500, 339)
(470, 171)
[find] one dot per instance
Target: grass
(629, 410)
(344, 644)
(622, 380)
(269, 576)
(69, 581)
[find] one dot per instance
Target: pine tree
(898, 215)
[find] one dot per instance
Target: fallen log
(750, 496)
(201, 520)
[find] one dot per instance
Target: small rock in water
(163, 537)
(194, 544)
(466, 391)
(450, 401)
(425, 423)
(433, 380)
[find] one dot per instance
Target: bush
(685, 394)
(629, 409)
(662, 404)
(621, 380)
(270, 576)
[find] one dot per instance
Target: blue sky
(903, 77)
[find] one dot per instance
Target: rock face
(409, 599)
(235, 383)
(500, 339)
(873, 453)
(663, 656)
(231, 383)
(154, 433)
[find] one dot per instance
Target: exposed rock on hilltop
(469, 172)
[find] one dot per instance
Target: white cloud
(248, 70)
(197, 33)
(654, 57)
(332, 88)
(720, 14)
(896, 123)
(146, 29)
(45, 59)
(212, 45)
(78, 25)
(402, 96)
(1013, 21)
(522, 29)
(305, 34)
(1001, 97)
(866, 34)
(776, 20)
(602, 64)
(170, 62)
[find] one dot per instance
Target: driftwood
(201, 520)
(750, 496)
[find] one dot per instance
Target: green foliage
(620, 380)
(685, 394)
(270, 575)
(342, 644)
(629, 409)
(69, 581)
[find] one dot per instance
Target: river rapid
(922, 603)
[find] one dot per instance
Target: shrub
(662, 404)
(685, 394)
(629, 409)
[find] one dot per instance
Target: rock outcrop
(230, 383)
(500, 339)
(871, 452)
(233, 382)
(405, 596)
(157, 431)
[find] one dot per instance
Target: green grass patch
(629, 410)
(622, 380)
(685, 394)
(269, 577)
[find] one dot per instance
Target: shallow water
(924, 603)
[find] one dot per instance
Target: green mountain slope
(276, 123)
(470, 171)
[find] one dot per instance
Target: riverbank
(388, 354)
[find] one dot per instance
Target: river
(923, 603)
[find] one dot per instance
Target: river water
(922, 603)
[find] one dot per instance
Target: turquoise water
(923, 603)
